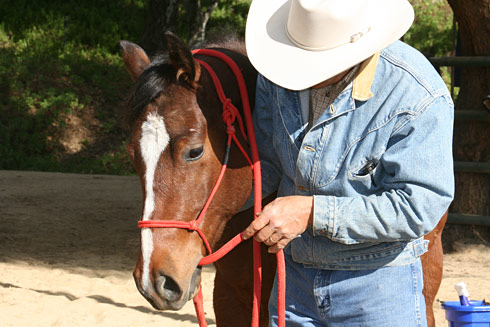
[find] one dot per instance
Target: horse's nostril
(168, 288)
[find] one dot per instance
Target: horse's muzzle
(166, 293)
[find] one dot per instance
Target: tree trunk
(472, 139)
(198, 21)
(168, 15)
(162, 16)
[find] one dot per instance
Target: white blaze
(154, 140)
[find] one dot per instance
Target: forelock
(149, 86)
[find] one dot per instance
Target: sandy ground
(68, 245)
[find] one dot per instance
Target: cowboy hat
(299, 43)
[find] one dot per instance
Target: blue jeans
(389, 296)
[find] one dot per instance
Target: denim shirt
(378, 163)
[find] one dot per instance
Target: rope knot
(229, 112)
(193, 225)
(230, 130)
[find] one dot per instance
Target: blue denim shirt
(378, 163)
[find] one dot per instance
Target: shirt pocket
(366, 174)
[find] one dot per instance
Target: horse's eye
(194, 154)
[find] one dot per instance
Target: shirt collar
(361, 88)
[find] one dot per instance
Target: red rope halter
(230, 114)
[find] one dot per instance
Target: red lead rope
(230, 113)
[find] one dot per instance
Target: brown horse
(177, 147)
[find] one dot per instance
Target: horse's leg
(230, 305)
(233, 284)
(233, 288)
(432, 268)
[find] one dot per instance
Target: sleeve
(263, 125)
(418, 187)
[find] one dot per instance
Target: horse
(177, 145)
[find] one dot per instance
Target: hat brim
(276, 57)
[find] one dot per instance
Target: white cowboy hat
(300, 43)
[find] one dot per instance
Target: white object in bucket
(462, 293)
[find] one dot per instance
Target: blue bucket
(475, 315)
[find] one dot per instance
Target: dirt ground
(68, 245)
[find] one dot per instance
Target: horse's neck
(235, 51)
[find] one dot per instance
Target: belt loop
(419, 247)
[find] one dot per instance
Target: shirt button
(309, 148)
(332, 109)
(302, 188)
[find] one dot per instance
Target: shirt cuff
(324, 209)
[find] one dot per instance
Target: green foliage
(229, 19)
(58, 63)
(93, 23)
(431, 32)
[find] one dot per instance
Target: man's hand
(281, 221)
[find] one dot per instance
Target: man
(355, 132)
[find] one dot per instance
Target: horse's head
(177, 146)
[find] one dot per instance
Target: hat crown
(326, 24)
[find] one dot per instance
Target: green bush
(92, 23)
(59, 61)
(431, 32)
(229, 19)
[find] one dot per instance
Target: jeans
(388, 296)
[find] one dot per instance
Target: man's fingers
(279, 245)
(264, 234)
(272, 239)
(260, 222)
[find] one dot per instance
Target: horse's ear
(135, 59)
(181, 58)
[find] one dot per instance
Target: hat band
(353, 38)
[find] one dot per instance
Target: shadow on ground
(87, 221)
